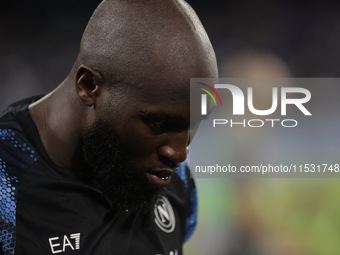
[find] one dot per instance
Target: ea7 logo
(64, 243)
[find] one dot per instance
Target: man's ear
(87, 84)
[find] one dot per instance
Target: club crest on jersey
(164, 215)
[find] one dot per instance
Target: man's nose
(175, 148)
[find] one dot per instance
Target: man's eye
(157, 126)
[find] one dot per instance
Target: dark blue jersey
(49, 210)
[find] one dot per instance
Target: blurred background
(39, 42)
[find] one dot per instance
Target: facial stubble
(109, 160)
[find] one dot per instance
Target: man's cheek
(142, 146)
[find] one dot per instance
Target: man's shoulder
(183, 187)
(16, 152)
(16, 155)
(21, 103)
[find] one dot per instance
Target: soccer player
(94, 167)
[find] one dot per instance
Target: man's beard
(120, 183)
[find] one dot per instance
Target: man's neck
(58, 118)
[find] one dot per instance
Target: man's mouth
(160, 177)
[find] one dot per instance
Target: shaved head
(124, 111)
(144, 37)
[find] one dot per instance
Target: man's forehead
(159, 88)
(165, 114)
